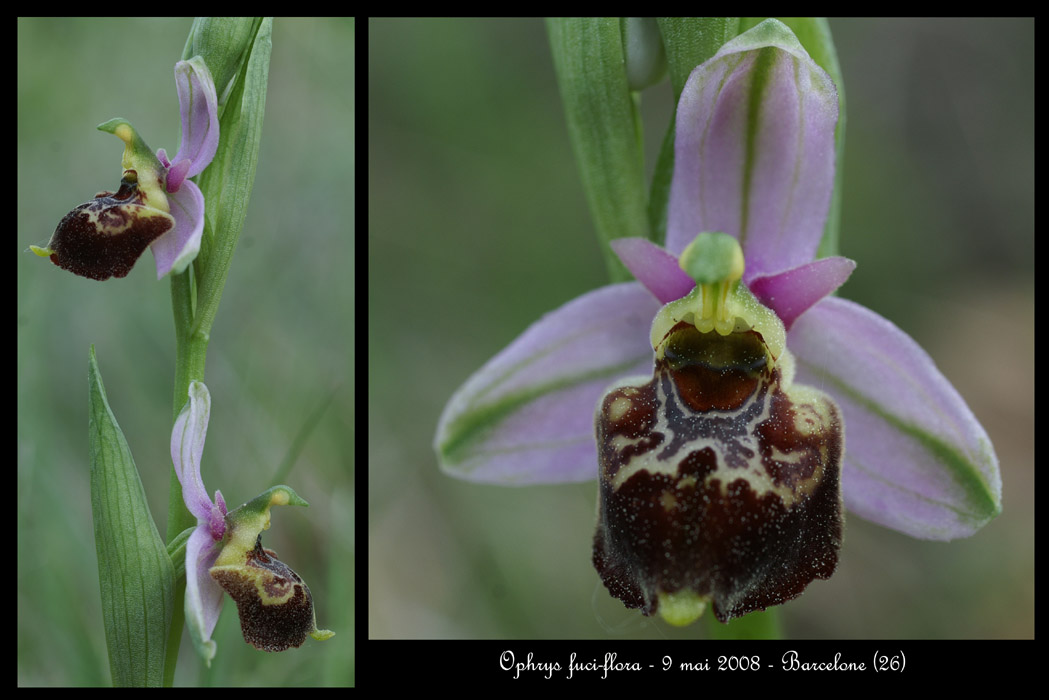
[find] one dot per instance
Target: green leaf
(177, 551)
(689, 41)
(224, 43)
(135, 573)
(604, 125)
(228, 181)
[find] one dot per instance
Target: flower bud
(643, 52)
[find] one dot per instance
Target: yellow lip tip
(124, 133)
(681, 608)
(321, 635)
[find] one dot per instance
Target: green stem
(229, 47)
(190, 354)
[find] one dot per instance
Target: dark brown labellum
(715, 478)
(274, 603)
(104, 237)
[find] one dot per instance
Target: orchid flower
(156, 205)
(723, 471)
(224, 552)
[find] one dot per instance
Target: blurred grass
(478, 226)
(281, 345)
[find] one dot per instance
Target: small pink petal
(654, 267)
(791, 292)
(177, 174)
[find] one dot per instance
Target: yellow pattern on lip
(719, 477)
(274, 603)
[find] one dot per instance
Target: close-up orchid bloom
(156, 205)
(738, 403)
(224, 552)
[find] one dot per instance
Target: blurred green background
(281, 344)
(478, 226)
